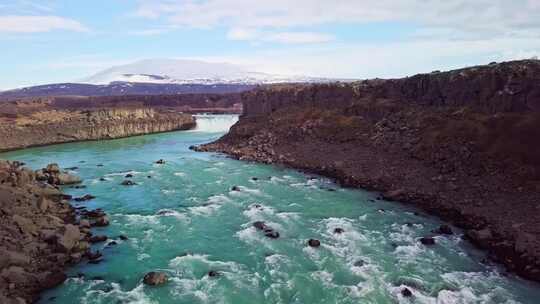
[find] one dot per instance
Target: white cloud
(38, 24)
(242, 34)
(384, 60)
(488, 17)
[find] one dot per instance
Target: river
(183, 218)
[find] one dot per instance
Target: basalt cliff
(463, 145)
(51, 126)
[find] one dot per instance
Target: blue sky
(61, 40)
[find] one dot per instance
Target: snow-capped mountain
(162, 77)
(176, 71)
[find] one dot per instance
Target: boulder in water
(406, 292)
(129, 175)
(339, 230)
(155, 278)
(427, 240)
(128, 183)
(213, 274)
(259, 225)
(101, 222)
(98, 239)
(235, 188)
(160, 162)
(314, 243)
(271, 234)
(444, 229)
(84, 198)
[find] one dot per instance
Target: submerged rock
(235, 188)
(128, 183)
(160, 162)
(155, 278)
(272, 234)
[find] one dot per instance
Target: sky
(68, 40)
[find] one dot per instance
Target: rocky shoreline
(41, 233)
(46, 127)
(467, 154)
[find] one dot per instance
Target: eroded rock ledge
(39, 232)
(462, 145)
(44, 127)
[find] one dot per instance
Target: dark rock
(155, 278)
(112, 243)
(53, 279)
(339, 230)
(128, 183)
(100, 222)
(97, 278)
(72, 168)
(235, 188)
(129, 176)
(272, 234)
(123, 237)
(213, 273)
(444, 229)
(149, 176)
(359, 263)
(160, 162)
(102, 179)
(99, 165)
(86, 197)
(259, 225)
(406, 292)
(254, 178)
(314, 243)
(97, 213)
(427, 240)
(98, 239)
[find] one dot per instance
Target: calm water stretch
(186, 221)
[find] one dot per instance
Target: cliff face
(504, 87)
(59, 126)
(462, 145)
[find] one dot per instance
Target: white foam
(122, 173)
(181, 174)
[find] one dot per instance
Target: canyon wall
(503, 87)
(39, 128)
(462, 145)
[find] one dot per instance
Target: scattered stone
(339, 230)
(128, 183)
(213, 274)
(314, 243)
(481, 238)
(155, 278)
(272, 234)
(405, 292)
(427, 240)
(444, 229)
(97, 213)
(98, 239)
(359, 263)
(86, 197)
(259, 225)
(100, 222)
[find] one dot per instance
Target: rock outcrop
(39, 236)
(462, 145)
(60, 126)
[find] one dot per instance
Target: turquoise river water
(186, 221)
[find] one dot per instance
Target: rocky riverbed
(41, 233)
(467, 153)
